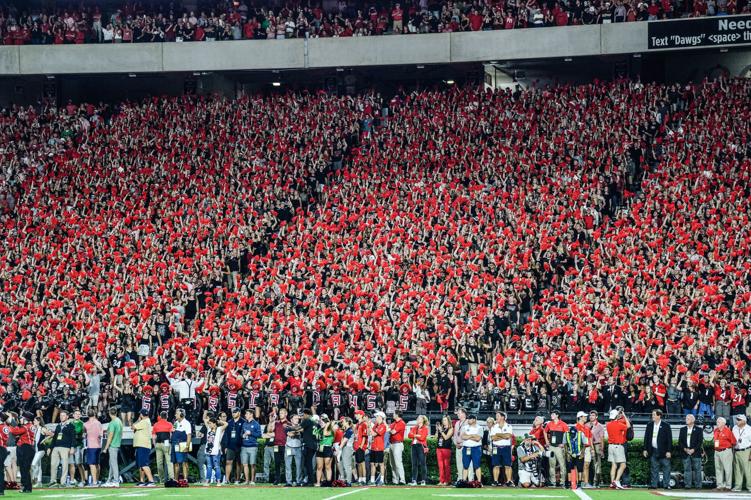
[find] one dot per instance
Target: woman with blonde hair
(419, 436)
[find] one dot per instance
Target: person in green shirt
(114, 438)
(77, 458)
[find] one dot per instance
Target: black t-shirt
(308, 437)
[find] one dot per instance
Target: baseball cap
(471, 417)
(580, 415)
(614, 414)
(528, 436)
(742, 418)
(144, 412)
(359, 413)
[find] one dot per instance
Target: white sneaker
(619, 486)
(252, 483)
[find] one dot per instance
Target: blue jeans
(689, 411)
(213, 464)
(657, 465)
(692, 472)
(705, 409)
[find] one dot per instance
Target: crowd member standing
(361, 444)
(293, 450)
(396, 457)
(310, 445)
(461, 419)
(162, 433)
(215, 430)
(658, 442)
(377, 446)
(598, 448)
(419, 436)
(94, 431)
(279, 428)
(142, 445)
(554, 434)
(25, 439)
(741, 464)
(500, 436)
(444, 433)
(325, 451)
(77, 459)
(617, 428)
(346, 451)
(472, 448)
(251, 431)
(40, 452)
(114, 439)
(724, 441)
(232, 443)
(63, 441)
(690, 440)
(4, 435)
(181, 442)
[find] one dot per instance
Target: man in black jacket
(690, 440)
(658, 441)
(63, 443)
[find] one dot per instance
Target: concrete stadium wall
(442, 48)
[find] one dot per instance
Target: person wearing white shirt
(741, 464)
(185, 386)
(500, 437)
(181, 443)
(471, 447)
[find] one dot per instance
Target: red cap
(359, 413)
(164, 385)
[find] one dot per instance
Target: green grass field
(376, 493)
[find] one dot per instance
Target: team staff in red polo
(396, 444)
(617, 429)
(377, 445)
(25, 448)
(724, 440)
(361, 444)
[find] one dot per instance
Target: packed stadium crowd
(136, 22)
(574, 248)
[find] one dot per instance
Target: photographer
(617, 429)
(529, 452)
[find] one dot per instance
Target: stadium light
(449, 82)
(276, 84)
(568, 59)
(131, 75)
(420, 66)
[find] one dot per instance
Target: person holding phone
(444, 433)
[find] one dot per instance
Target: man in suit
(690, 440)
(658, 441)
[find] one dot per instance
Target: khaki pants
(60, 456)
(397, 464)
(742, 469)
(723, 466)
(163, 456)
(558, 459)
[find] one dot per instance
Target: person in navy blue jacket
(251, 431)
(232, 442)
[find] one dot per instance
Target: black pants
(3, 456)
(309, 458)
(419, 468)
(25, 455)
(278, 462)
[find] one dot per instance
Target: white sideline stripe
(494, 495)
(582, 496)
(708, 495)
(340, 495)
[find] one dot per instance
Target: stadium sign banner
(704, 32)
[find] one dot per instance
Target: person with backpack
(577, 441)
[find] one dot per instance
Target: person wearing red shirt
(737, 401)
(397, 15)
(554, 432)
(538, 430)
(4, 434)
(396, 444)
(475, 20)
(724, 440)
(617, 429)
(419, 436)
(377, 434)
(581, 426)
(723, 396)
(25, 448)
(361, 444)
